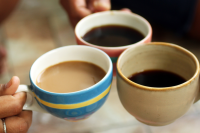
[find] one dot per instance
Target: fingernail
(102, 4)
(126, 10)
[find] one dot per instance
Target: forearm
(6, 7)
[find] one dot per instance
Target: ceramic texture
(38, 26)
(157, 106)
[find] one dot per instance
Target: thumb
(10, 87)
(100, 5)
(126, 10)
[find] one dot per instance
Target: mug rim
(110, 69)
(118, 12)
(194, 58)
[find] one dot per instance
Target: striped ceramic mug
(71, 106)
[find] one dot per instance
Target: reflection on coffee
(69, 76)
(157, 78)
(113, 35)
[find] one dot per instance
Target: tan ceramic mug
(151, 105)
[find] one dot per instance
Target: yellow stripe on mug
(73, 106)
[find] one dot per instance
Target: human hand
(78, 9)
(11, 104)
(126, 10)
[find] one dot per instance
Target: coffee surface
(157, 78)
(113, 35)
(69, 76)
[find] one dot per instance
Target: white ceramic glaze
(74, 52)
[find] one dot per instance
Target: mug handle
(31, 103)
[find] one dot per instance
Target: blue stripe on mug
(73, 106)
(77, 112)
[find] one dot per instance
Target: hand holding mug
(11, 112)
(78, 9)
(67, 103)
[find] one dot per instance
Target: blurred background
(37, 26)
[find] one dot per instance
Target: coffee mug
(131, 20)
(71, 106)
(155, 105)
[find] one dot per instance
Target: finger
(74, 21)
(81, 8)
(99, 5)
(27, 116)
(12, 105)
(1, 126)
(11, 87)
(76, 9)
(126, 10)
(18, 124)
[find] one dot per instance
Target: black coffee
(157, 78)
(113, 35)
